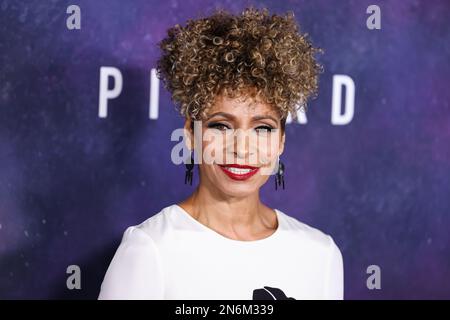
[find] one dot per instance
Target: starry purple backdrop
(71, 182)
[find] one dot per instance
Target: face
(242, 132)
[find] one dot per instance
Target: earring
(279, 177)
(189, 168)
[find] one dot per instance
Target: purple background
(71, 182)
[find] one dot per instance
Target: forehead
(242, 106)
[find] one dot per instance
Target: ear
(189, 134)
(283, 140)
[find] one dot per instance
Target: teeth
(238, 171)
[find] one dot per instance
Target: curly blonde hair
(251, 54)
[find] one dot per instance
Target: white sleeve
(135, 271)
(334, 283)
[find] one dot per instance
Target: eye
(218, 126)
(264, 129)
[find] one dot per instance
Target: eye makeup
(217, 125)
(221, 126)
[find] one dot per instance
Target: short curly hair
(254, 54)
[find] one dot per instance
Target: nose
(243, 145)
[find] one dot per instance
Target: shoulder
(128, 273)
(322, 247)
(311, 236)
(151, 229)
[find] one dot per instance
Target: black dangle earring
(279, 177)
(189, 168)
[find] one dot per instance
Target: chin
(237, 188)
(238, 191)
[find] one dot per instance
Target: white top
(171, 255)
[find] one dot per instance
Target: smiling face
(239, 132)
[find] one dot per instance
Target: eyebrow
(230, 116)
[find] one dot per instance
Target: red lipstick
(238, 172)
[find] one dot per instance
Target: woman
(231, 74)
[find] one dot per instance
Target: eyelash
(217, 124)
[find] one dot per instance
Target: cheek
(267, 154)
(213, 149)
(268, 150)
